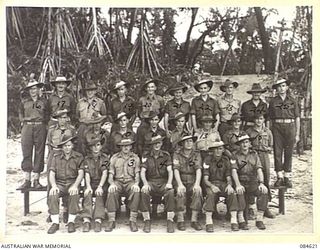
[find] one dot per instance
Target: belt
(284, 120)
(33, 123)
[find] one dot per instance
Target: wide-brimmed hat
(234, 117)
(227, 83)
(155, 139)
(186, 137)
(60, 79)
(125, 142)
(59, 113)
(90, 86)
(205, 118)
(179, 115)
(275, 85)
(92, 139)
(215, 144)
(33, 83)
(208, 82)
(256, 88)
(242, 137)
(95, 118)
(66, 138)
(119, 116)
(118, 85)
(155, 81)
(177, 86)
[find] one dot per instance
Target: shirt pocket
(131, 164)
(72, 170)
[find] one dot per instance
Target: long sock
(55, 218)
(180, 216)
(240, 216)
(111, 216)
(36, 176)
(27, 176)
(170, 216)
(280, 174)
(146, 216)
(98, 220)
(71, 218)
(287, 174)
(209, 218)
(133, 216)
(194, 216)
(260, 215)
(86, 220)
(233, 217)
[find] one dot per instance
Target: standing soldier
(174, 106)
(33, 115)
(248, 177)
(86, 108)
(231, 136)
(254, 106)
(124, 178)
(204, 104)
(65, 176)
(262, 142)
(122, 103)
(218, 181)
(227, 105)
(123, 132)
(284, 113)
(187, 172)
(95, 165)
(157, 175)
(61, 99)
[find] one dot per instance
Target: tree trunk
(187, 42)
(264, 40)
(133, 13)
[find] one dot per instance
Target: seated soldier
(248, 177)
(95, 166)
(231, 136)
(181, 129)
(124, 178)
(122, 131)
(187, 173)
(218, 181)
(157, 175)
(65, 176)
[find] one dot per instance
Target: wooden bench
(26, 197)
(281, 198)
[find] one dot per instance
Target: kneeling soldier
(187, 172)
(65, 176)
(157, 175)
(248, 177)
(124, 178)
(96, 166)
(218, 181)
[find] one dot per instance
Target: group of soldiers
(185, 154)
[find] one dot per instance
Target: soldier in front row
(157, 176)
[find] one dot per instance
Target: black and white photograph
(193, 121)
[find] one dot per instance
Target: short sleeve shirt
(95, 166)
(128, 106)
(261, 140)
(156, 168)
(86, 108)
(55, 134)
(247, 166)
(283, 109)
(34, 111)
(66, 101)
(148, 104)
(172, 108)
(199, 107)
(249, 110)
(217, 169)
(187, 165)
(205, 138)
(66, 170)
(228, 107)
(230, 138)
(124, 167)
(116, 137)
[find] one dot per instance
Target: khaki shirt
(228, 107)
(86, 108)
(124, 167)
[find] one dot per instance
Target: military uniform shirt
(283, 109)
(128, 106)
(172, 108)
(230, 138)
(116, 137)
(217, 169)
(66, 101)
(124, 167)
(156, 168)
(55, 134)
(95, 166)
(228, 107)
(205, 138)
(147, 104)
(86, 108)
(247, 166)
(199, 107)
(261, 140)
(34, 111)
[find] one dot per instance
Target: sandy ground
(298, 216)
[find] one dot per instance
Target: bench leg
(26, 203)
(281, 201)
